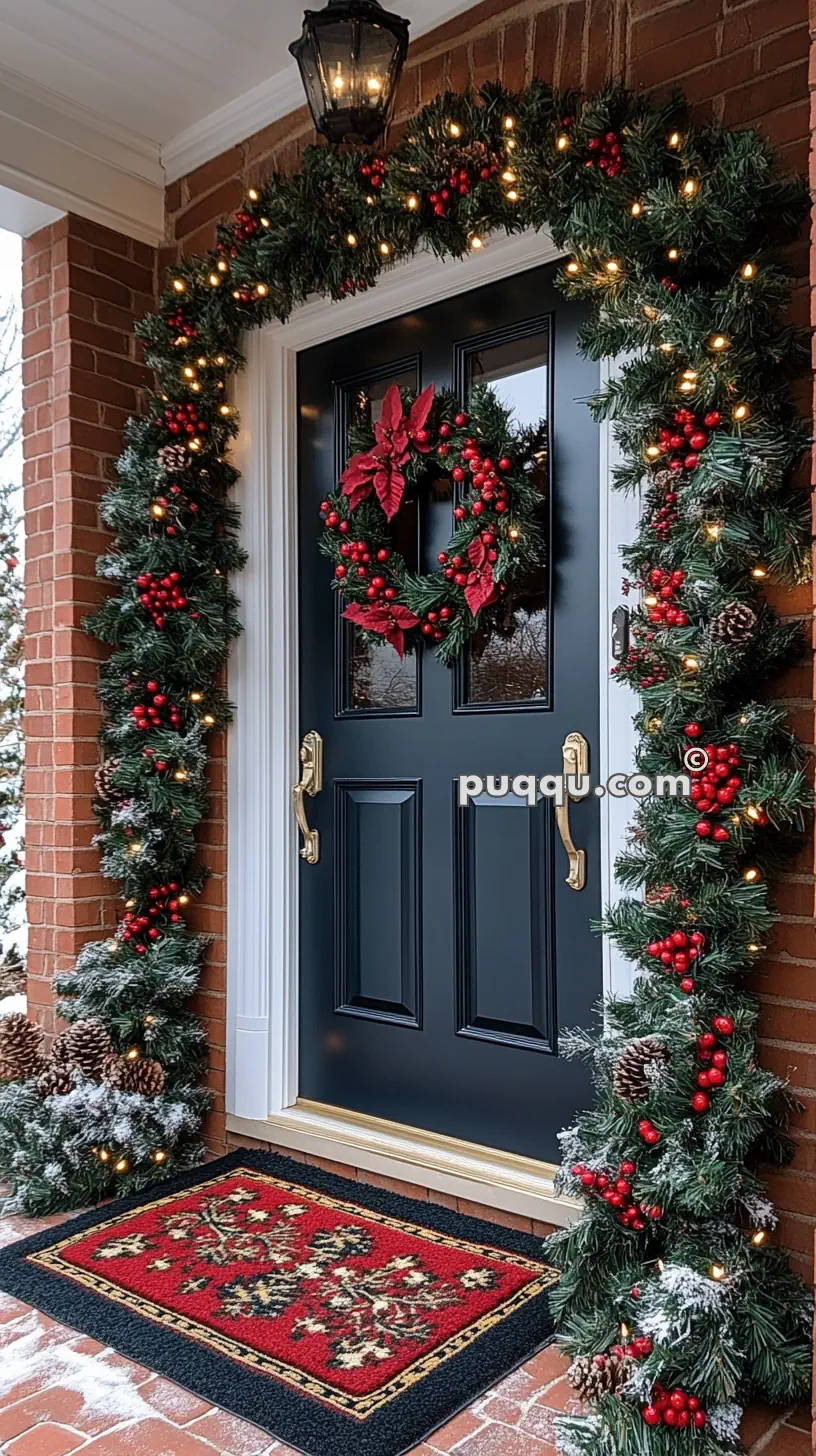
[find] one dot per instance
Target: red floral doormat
(339, 1317)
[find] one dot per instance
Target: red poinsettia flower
(392, 621)
(379, 469)
(480, 589)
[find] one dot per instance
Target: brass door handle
(311, 782)
(575, 763)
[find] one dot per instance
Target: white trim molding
(262, 874)
(73, 160)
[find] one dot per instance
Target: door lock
(575, 764)
(311, 782)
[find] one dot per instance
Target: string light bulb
(509, 123)
(159, 1155)
(689, 187)
(134, 849)
(562, 142)
(514, 533)
(713, 530)
(652, 452)
(759, 1238)
(103, 1155)
(691, 663)
(660, 1266)
(718, 342)
(741, 412)
(508, 175)
(650, 313)
(221, 360)
(265, 223)
(666, 348)
(748, 270)
(214, 280)
(189, 371)
(717, 1272)
(573, 267)
(180, 776)
(222, 265)
(624, 1331)
(636, 209)
(475, 243)
(179, 285)
(208, 719)
(759, 572)
(612, 266)
(262, 289)
(194, 444)
(132, 1054)
(753, 813)
(121, 1165)
(673, 254)
(751, 875)
(225, 410)
(253, 194)
(148, 1021)
(157, 512)
(674, 140)
(385, 249)
(654, 725)
(412, 202)
(195, 697)
(753, 948)
(184, 899)
(454, 129)
(351, 240)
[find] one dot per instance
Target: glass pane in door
(509, 664)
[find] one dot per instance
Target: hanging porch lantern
(350, 57)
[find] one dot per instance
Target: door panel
(441, 950)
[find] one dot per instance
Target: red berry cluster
(182, 419)
(437, 624)
(466, 167)
(178, 324)
(674, 1408)
(638, 1348)
(660, 598)
(244, 227)
(648, 1132)
(642, 665)
(486, 479)
(607, 154)
(714, 787)
(457, 568)
(159, 595)
(350, 287)
(713, 1062)
(140, 928)
(677, 952)
(688, 436)
(158, 712)
(617, 1192)
(374, 173)
(446, 429)
(664, 515)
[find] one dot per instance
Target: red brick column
(83, 287)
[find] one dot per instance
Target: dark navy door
(441, 951)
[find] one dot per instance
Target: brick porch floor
(62, 1392)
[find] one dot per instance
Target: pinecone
(83, 1044)
(55, 1081)
(143, 1076)
(735, 625)
(173, 459)
(20, 1047)
(630, 1080)
(108, 796)
(593, 1375)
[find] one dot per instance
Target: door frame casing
(263, 748)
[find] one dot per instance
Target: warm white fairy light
(351, 240)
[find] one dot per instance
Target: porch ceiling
(149, 91)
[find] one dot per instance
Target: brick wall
(743, 62)
(83, 287)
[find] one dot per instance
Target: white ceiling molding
(69, 158)
(232, 123)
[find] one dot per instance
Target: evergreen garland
(671, 1271)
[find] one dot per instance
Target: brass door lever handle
(575, 764)
(311, 782)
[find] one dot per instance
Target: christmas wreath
(500, 536)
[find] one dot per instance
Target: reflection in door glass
(511, 662)
(373, 678)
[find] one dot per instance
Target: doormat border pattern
(424, 1396)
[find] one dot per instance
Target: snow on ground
(10, 1004)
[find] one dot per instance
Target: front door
(442, 952)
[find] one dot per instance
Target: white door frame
(263, 747)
